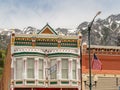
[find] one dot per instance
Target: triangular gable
(47, 30)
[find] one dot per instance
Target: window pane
(52, 62)
(53, 69)
(40, 68)
(65, 74)
(30, 63)
(40, 64)
(30, 73)
(19, 68)
(74, 69)
(30, 67)
(65, 64)
(40, 74)
(74, 65)
(74, 74)
(65, 68)
(53, 75)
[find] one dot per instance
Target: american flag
(96, 63)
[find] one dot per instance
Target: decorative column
(12, 73)
(46, 76)
(59, 70)
(59, 42)
(25, 70)
(13, 38)
(70, 70)
(11, 87)
(12, 68)
(78, 69)
(44, 70)
(36, 70)
(33, 41)
(14, 63)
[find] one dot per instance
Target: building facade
(45, 61)
(109, 77)
(50, 61)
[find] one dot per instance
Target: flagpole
(89, 29)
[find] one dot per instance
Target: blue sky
(58, 13)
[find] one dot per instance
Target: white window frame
(16, 69)
(42, 67)
(75, 69)
(67, 69)
(27, 68)
(53, 66)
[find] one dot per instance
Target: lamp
(89, 29)
(95, 79)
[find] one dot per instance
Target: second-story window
(64, 68)
(30, 67)
(53, 69)
(40, 68)
(74, 69)
(19, 68)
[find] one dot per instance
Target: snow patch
(84, 28)
(111, 23)
(106, 26)
(101, 34)
(117, 21)
(95, 30)
(100, 27)
(109, 20)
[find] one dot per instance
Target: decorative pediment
(47, 30)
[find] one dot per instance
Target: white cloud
(62, 13)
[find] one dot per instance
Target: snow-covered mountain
(104, 32)
(30, 30)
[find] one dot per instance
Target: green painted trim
(19, 82)
(23, 40)
(30, 82)
(53, 82)
(74, 82)
(47, 44)
(41, 82)
(29, 54)
(68, 44)
(65, 82)
(43, 55)
(62, 54)
(49, 27)
(22, 45)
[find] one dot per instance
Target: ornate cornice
(44, 55)
(112, 50)
(45, 41)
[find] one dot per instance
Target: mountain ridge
(104, 32)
